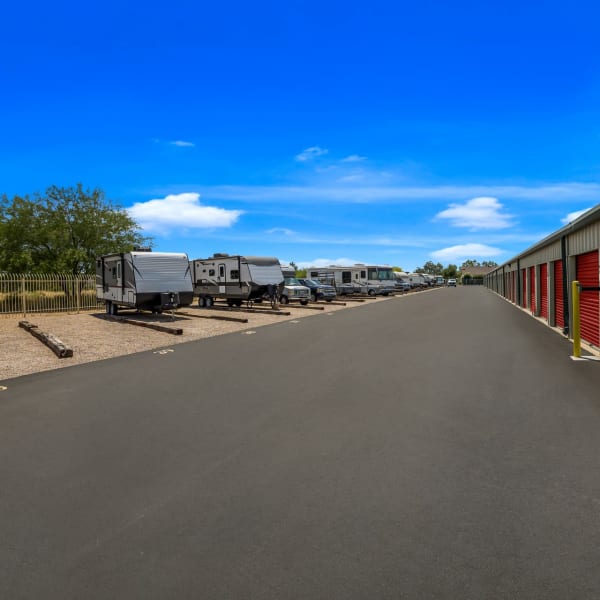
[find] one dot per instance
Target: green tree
(450, 272)
(489, 263)
(398, 269)
(64, 230)
(469, 263)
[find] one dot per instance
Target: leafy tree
(469, 263)
(398, 269)
(489, 263)
(450, 272)
(64, 229)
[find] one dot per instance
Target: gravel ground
(93, 338)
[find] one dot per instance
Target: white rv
(366, 279)
(235, 278)
(293, 290)
(144, 280)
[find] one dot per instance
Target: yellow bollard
(576, 320)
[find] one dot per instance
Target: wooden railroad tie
(59, 348)
(172, 330)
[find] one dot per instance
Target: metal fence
(27, 293)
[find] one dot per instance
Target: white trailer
(144, 280)
(235, 278)
(366, 279)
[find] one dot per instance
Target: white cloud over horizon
(465, 252)
(282, 230)
(353, 158)
(311, 153)
(180, 211)
(483, 212)
(182, 144)
(572, 216)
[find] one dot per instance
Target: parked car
(451, 283)
(318, 290)
(403, 286)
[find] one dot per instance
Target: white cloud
(282, 230)
(574, 215)
(354, 158)
(479, 213)
(466, 251)
(326, 262)
(311, 153)
(181, 211)
(182, 144)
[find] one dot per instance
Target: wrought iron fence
(27, 293)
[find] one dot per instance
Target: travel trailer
(235, 278)
(144, 280)
(366, 279)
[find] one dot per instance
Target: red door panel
(559, 309)
(544, 290)
(589, 306)
(532, 289)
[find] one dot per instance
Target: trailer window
(363, 274)
(118, 270)
(346, 277)
(221, 271)
(211, 272)
(235, 274)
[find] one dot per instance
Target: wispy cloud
(353, 158)
(182, 144)
(318, 192)
(466, 251)
(282, 230)
(180, 212)
(574, 215)
(311, 153)
(479, 213)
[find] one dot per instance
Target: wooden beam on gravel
(301, 307)
(257, 311)
(331, 303)
(172, 330)
(215, 317)
(59, 348)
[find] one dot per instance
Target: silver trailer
(144, 280)
(235, 278)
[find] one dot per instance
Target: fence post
(23, 299)
(576, 320)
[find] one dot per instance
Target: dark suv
(318, 290)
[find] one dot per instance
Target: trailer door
(587, 275)
(222, 278)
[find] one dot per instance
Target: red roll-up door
(544, 290)
(532, 289)
(513, 286)
(524, 288)
(559, 307)
(589, 306)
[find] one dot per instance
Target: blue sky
(382, 132)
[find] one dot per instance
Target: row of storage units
(539, 279)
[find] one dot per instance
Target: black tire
(313, 297)
(202, 302)
(328, 299)
(107, 308)
(238, 303)
(230, 302)
(284, 300)
(114, 309)
(208, 302)
(371, 292)
(304, 302)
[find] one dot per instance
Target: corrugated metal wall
(559, 307)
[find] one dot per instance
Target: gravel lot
(93, 338)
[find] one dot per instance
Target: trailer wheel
(230, 302)
(284, 300)
(238, 303)
(371, 292)
(304, 302)
(201, 302)
(208, 302)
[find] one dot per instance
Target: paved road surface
(435, 446)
